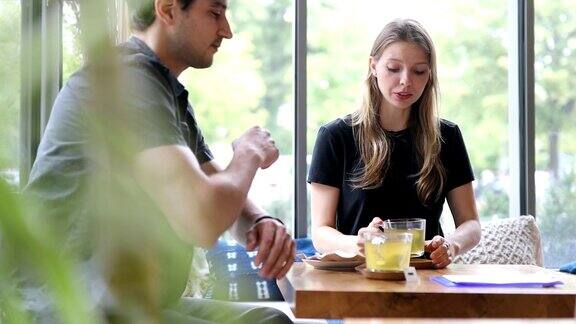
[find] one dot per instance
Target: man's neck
(158, 45)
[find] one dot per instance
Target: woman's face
(402, 73)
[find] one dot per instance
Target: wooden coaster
(334, 265)
(419, 263)
(381, 275)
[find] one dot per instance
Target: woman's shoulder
(339, 126)
(448, 128)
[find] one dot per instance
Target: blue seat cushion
(570, 268)
(235, 277)
(304, 247)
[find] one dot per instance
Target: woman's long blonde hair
(373, 142)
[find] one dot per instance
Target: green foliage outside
(72, 57)
(557, 223)
(555, 95)
(474, 75)
(251, 78)
(10, 83)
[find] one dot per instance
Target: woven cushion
(513, 240)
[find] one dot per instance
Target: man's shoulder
(137, 58)
(143, 82)
(135, 67)
(139, 68)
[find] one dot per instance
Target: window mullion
(521, 108)
(30, 95)
(300, 95)
(51, 75)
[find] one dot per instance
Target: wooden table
(314, 293)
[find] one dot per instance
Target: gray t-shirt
(159, 114)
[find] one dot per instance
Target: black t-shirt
(336, 159)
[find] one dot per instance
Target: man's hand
(276, 249)
(257, 141)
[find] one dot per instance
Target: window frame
(42, 22)
(522, 108)
(41, 71)
(300, 118)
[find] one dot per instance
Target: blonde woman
(393, 157)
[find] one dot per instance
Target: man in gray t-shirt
(172, 163)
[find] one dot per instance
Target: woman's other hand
(373, 227)
(441, 251)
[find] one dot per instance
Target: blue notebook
(519, 281)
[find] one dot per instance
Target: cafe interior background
(506, 78)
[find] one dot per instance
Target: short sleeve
(457, 164)
(152, 108)
(327, 160)
(197, 143)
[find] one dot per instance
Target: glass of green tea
(415, 226)
(387, 251)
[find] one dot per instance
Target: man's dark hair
(142, 12)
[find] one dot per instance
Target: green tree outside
(10, 80)
(555, 96)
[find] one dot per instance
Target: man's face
(198, 32)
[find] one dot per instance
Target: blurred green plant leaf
(26, 243)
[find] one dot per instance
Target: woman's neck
(394, 119)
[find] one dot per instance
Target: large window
(251, 84)
(72, 57)
(10, 15)
(472, 45)
(555, 97)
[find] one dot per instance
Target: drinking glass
(415, 226)
(387, 251)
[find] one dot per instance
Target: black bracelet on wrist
(268, 217)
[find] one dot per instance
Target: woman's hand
(373, 227)
(441, 251)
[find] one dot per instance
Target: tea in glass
(415, 226)
(387, 251)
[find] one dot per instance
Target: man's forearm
(200, 206)
(250, 213)
(237, 178)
